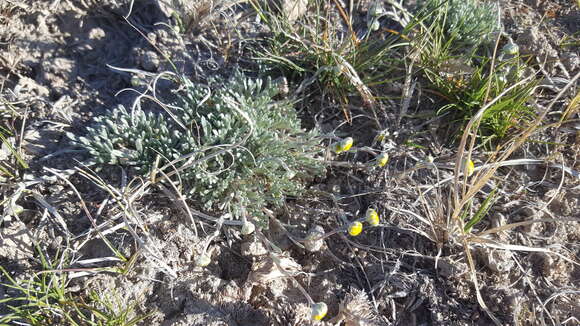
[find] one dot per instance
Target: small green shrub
(258, 153)
(467, 23)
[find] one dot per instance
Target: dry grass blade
(572, 108)
(356, 81)
(132, 217)
(408, 90)
(59, 219)
(496, 245)
(178, 197)
(475, 281)
(524, 223)
(347, 21)
(481, 179)
(471, 132)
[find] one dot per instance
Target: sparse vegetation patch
(289, 162)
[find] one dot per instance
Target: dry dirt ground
(64, 61)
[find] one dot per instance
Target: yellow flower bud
(203, 260)
(511, 49)
(319, 310)
(355, 228)
(343, 145)
(468, 167)
(372, 217)
(382, 159)
(16, 210)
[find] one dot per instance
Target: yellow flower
(382, 159)
(468, 168)
(343, 145)
(355, 228)
(319, 310)
(372, 217)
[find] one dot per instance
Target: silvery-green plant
(258, 152)
(466, 22)
(135, 139)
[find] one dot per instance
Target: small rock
(277, 287)
(313, 242)
(97, 33)
(150, 61)
(498, 261)
(253, 248)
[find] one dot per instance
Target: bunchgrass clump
(245, 147)
(464, 94)
(45, 299)
(344, 58)
(447, 45)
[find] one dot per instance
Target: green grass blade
(481, 212)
